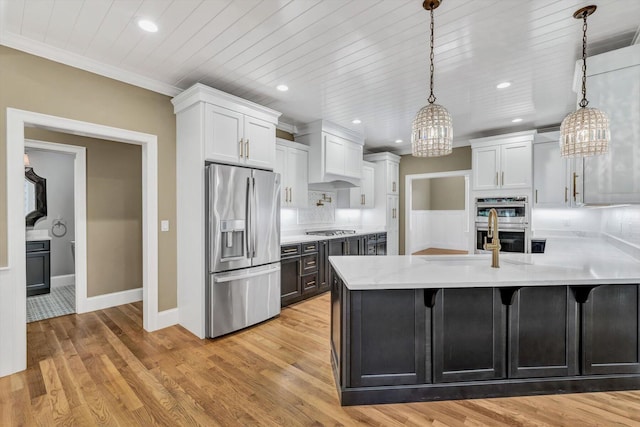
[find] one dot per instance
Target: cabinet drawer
(309, 264)
(309, 283)
(287, 251)
(38, 245)
(310, 247)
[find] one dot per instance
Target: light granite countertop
(289, 239)
(566, 261)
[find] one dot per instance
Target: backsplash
(623, 223)
(319, 217)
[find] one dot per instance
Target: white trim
(79, 212)
(63, 280)
(100, 302)
(13, 316)
(62, 56)
(286, 127)
(408, 196)
(167, 318)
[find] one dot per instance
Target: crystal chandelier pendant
(432, 132)
(584, 132)
(432, 129)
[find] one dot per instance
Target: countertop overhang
(567, 261)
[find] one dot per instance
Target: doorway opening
(13, 304)
(437, 213)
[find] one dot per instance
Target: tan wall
(31, 83)
(460, 159)
(447, 194)
(114, 211)
(284, 135)
(421, 197)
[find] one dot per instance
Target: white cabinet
(613, 86)
(335, 153)
(363, 196)
(292, 163)
(393, 224)
(237, 138)
(386, 210)
(502, 162)
(210, 126)
(550, 172)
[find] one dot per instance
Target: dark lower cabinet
(469, 336)
(323, 266)
(610, 330)
(389, 336)
(290, 287)
(38, 267)
(543, 340)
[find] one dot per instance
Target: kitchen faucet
(492, 232)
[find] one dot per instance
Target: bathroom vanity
(38, 267)
(422, 328)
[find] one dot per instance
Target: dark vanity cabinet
(38, 267)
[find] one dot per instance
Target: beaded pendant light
(432, 131)
(584, 132)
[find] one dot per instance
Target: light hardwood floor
(101, 368)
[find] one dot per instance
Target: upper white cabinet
(210, 126)
(363, 196)
(613, 86)
(236, 138)
(292, 163)
(502, 162)
(550, 172)
(335, 153)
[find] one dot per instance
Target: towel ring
(58, 225)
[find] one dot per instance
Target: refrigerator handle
(249, 226)
(254, 211)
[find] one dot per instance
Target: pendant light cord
(432, 97)
(583, 101)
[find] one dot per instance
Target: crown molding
(286, 127)
(62, 56)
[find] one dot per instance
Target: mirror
(35, 197)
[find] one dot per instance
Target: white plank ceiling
(342, 60)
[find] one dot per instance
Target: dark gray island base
(414, 345)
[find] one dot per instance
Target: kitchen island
(421, 328)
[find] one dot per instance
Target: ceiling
(342, 60)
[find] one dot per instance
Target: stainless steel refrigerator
(243, 247)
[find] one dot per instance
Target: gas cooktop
(330, 232)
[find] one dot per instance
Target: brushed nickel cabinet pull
(502, 177)
(290, 194)
(246, 146)
(393, 186)
(536, 197)
(311, 283)
(241, 147)
(312, 263)
(288, 251)
(575, 192)
(566, 192)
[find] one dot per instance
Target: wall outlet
(164, 225)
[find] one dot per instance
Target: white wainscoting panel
(438, 229)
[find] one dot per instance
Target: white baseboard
(101, 302)
(63, 280)
(167, 318)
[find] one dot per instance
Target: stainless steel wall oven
(513, 222)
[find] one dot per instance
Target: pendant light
(432, 132)
(584, 132)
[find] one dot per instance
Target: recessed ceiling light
(147, 25)
(356, 121)
(503, 85)
(282, 88)
(398, 141)
(518, 120)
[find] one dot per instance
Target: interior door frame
(408, 202)
(13, 331)
(79, 212)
